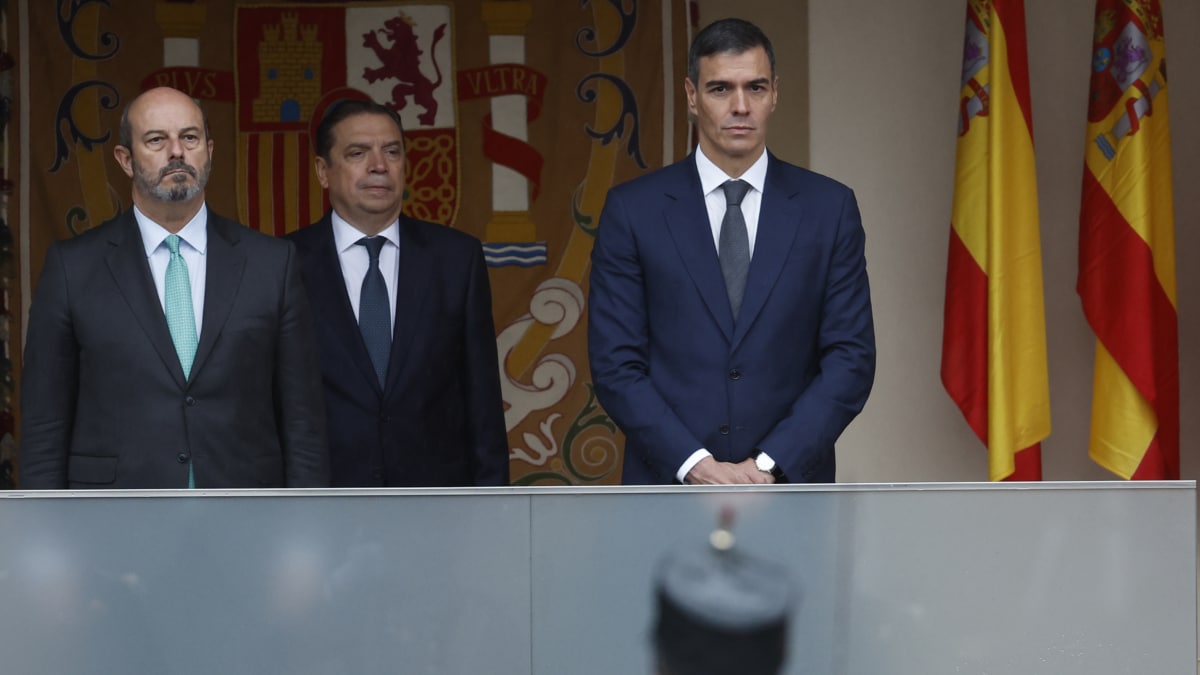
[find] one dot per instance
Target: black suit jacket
(104, 402)
(440, 419)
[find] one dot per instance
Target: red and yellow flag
(994, 336)
(1127, 246)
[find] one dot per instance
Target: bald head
(152, 97)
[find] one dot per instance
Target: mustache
(177, 165)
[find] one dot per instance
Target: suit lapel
(687, 220)
(331, 299)
(226, 264)
(126, 259)
(412, 288)
(778, 221)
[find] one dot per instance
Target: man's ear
(124, 158)
(319, 165)
(689, 89)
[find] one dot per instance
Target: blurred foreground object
(721, 611)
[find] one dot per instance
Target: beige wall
(884, 81)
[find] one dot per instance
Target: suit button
(190, 401)
(377, 473)
(724, 429)
(383, 417)
(183, 457)
(735, 374)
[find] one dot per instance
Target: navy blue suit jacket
(675, 371)
(439, 421)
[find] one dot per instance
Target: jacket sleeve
(485, 405)
(50, 380)
(299, 401)
(619, 342)
(801, 441)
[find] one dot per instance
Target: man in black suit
(170, 347)
(404, 321)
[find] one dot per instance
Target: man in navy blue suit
(730, 330)
(403, 313)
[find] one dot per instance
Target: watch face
(764, 463)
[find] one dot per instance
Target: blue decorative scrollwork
(628, 21)
(629, 109)
(108, 100)
(66, 28)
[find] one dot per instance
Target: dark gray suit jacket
(104, 402)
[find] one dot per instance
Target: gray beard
(177, 190)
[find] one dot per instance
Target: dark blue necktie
(734, 248)
(374, 310)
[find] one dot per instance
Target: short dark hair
(727, 36)
(344, 109)
(126, 139)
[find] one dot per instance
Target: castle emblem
(290, 75)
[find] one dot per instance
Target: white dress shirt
(355, 261)
(194, 249)
(711, 179)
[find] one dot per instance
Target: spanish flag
(1127, 246)
(994, 336)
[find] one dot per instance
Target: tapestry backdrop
(519, 115)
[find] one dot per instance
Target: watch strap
(776, 471)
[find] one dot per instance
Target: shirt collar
(346, 235)
(711, 176)
(195, 233)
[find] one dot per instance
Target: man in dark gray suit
(170, 347)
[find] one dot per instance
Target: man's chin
(379, 201)
(378, 193)
(175, 193)
(740, 147)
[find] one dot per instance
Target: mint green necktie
(181, 319)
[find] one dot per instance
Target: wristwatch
(764, 463)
